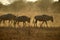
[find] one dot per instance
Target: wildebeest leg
(4, 21)
(0, 22)
(9, 23)
(29, 24)
(24, 24)
(18, 23)
(41, 24)
(14, 23)
(35, 23)
(46, 24)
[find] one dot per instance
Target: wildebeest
(6, 17)
(23, 19)
(43, 18)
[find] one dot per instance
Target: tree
(56, 7)
(17, 6)
(44, 4)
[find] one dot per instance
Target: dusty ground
(9, 33)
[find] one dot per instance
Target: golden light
(55, 0)
(5, 2)
(31, 0)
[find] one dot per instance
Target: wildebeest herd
(24, 19)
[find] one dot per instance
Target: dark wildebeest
(43, 18)
(6, 17)
(23, 19)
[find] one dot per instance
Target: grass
(29, 33)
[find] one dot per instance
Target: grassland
(29, 33)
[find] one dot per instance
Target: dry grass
(27, 33)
